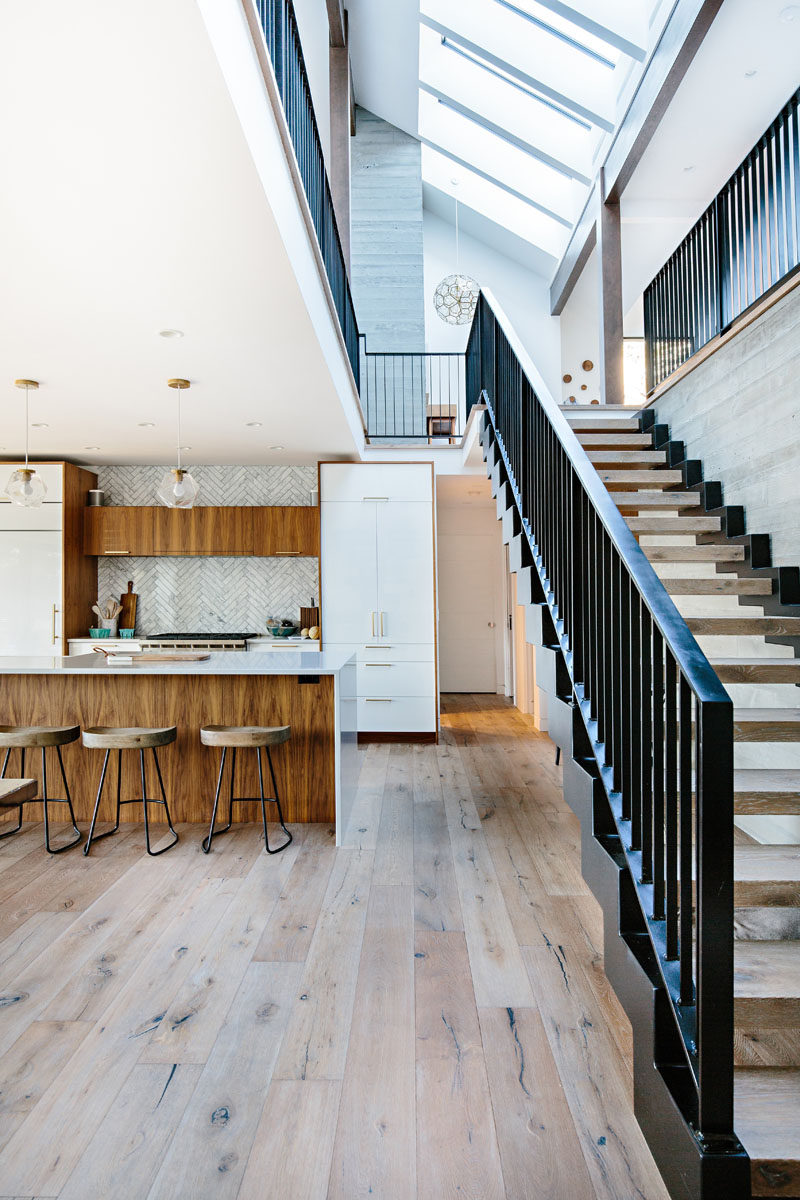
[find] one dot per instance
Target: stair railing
(658, 720)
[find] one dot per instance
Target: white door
(30, 592)
(349, 583)
(469, 616)
(405, 571)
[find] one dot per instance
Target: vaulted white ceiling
(513, 100)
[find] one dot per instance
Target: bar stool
(102, 737)
(42, 737)
(253, 737)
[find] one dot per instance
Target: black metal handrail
(745, 243)
(413, 396)
(279, 26)
(659, 722)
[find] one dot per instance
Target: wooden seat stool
(243, 737)
(44, 738)
(102, 737)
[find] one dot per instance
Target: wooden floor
(425, 1016)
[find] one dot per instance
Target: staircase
(711, 577)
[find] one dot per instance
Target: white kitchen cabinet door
(376, 482)
(30, 591)
(349, 580)
(405, 571)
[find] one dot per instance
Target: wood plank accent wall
(305, 766)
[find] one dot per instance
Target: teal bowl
(282, 631)
(126, 633)
(99, 633)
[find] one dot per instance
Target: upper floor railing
(657, 719)
(746, 242)
(413, 396)
(283, 43)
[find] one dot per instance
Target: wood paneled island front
(313, 693)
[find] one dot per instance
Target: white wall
(580, 338)
(312, 22)
(524, 296)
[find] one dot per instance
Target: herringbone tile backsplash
(212, 595)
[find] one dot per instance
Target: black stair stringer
(664, 1095)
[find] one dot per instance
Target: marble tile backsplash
(212, 595)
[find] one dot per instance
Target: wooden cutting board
(137, 656)
(128, 600)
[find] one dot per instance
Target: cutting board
(195, 656)
(128, 600)
(309, 617)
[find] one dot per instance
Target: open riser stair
(745, 615)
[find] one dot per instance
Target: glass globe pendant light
(177, 488)
(26, 486)
(456, 297)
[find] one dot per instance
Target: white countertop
(230, 662)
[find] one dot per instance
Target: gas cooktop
(200, 637)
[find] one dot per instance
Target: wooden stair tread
(767, 1119)
(780, 783)
(734, 626)
(628, 458)
(663, 525)
(694, 553)
(766, 876)
(757, 670)
(634, 479)
(766, 724)
(616, 441)
(604, 425)
(655, 499)
(766, 970)
(718, 585)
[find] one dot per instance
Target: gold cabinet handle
(381, 624)
(373, 664)
(55, 610)
(367, 647)
(116, 552)
(384, 498)
(287, 554)
(377, 700)
(372, 620)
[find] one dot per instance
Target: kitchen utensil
(96, 609)
(132, 659)
(129, 601)
(109, 623)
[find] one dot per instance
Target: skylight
(522, 94)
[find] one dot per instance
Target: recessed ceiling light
(688, 168)
(253, 424)
(749, 74)
(91, 447)
(790, 14)
(147, 424)
(170, 333)
(39, 425)
(183, 449)
(275, 447)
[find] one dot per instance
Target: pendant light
(456, 297)
(177, 488)
(26, 486)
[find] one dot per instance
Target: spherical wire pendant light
(456, 296)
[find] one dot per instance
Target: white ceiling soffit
(514, 98)
(133, 205)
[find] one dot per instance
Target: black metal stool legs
(276, 799)
(143, 800)
(65, 799)
(18, 825)
(261, 798)
(163, 801)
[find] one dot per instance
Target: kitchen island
(313, 693)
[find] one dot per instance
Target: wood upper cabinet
(203, 530)
(146, 531)
(120, 530)
(288, 531)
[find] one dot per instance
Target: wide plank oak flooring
(421, 1017)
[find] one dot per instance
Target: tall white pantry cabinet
(378, 591)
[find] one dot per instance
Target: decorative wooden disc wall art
(587, 364)
(567, 379)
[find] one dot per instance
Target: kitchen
(113, 589)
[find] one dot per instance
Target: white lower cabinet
(377, 589)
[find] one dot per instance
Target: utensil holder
(110, 624)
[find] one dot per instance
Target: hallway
(423, 1016)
